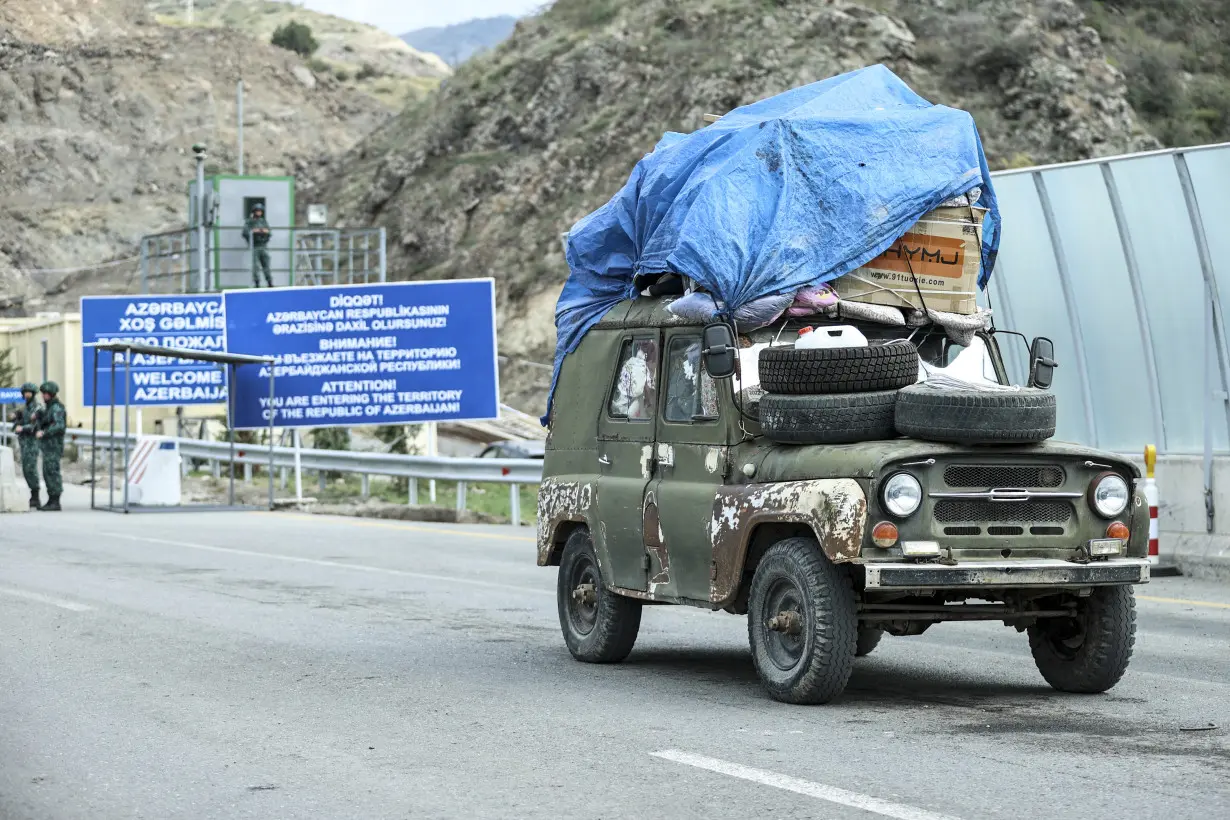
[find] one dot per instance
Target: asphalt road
(258, 665)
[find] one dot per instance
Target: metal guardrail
(463, 471)
(471, 470)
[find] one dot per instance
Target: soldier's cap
(29, 387)
(257, 209)
(50, 388)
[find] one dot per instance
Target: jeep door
(689, 468)
(625, 457)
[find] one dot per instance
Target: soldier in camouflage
(256, 232)
(53, 421)
(25, 425)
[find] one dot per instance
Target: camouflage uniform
(27, 418)
(53, 421)
(258, 242)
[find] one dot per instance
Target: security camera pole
(199, 150)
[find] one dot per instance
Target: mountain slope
(1175, 55)
(96, 130)
(372, 61)
(483, 177)
(461, 41)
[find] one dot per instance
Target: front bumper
(1024, 573)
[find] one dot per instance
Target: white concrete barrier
(153, 472)
(14, 494)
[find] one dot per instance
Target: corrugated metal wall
(1121, 262)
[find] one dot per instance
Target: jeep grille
(994, 476)
(1027, 512)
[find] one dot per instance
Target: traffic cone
(1157, 568)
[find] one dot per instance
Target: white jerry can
(153, 473)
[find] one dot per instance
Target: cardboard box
(940, 256)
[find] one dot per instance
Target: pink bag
(811, 300)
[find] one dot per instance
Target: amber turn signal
(884, 534)
(1118, 530)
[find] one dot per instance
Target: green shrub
(1153, 85)
(331, 438)
(296, 37)
(367, 72)
(8, 370)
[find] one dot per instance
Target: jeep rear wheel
(598, 625)
(802, 623)
(1089, 653)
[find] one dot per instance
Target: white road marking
(72, 606)
(831, 794)
(320, 562)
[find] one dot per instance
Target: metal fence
(170, 262)
(1121, 261)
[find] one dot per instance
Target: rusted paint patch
(655, 544)
(835, 509)
(560, 501)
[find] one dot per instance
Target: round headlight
(902, 494)
(1110, 495)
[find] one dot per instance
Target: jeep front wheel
(868, 640)
(598, 625)
(802, 623)
(1088, 653)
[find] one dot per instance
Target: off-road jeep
(660, 488)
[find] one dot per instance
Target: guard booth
(155, 459)
(299, 255)
(229, 200)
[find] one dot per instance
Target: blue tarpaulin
(791, 191)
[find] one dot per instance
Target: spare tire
(816, 371)
(947, 414)
(828, 419)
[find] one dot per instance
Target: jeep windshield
(981, 361)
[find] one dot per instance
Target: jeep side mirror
(718, 351)
(1042, 363)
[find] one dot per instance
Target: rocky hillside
(364, 57)
(1175, 55)
(99, 108)
(521, 142)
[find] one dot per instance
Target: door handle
(604, 460)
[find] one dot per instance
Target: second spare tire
(947, 414)
(815, 371)
(828, 419)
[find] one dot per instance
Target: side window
(690, 394)
(636, 383)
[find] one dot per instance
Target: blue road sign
(366, 354)
(11, 395)
(185, 322)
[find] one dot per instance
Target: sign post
(298, 466)
(356, 355)
(8, 396)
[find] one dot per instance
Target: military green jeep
(660, 487)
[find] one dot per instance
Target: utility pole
(199, 150)
(239, 121)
